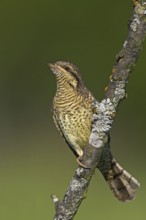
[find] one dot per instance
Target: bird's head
(67, 72)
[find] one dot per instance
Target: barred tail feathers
(122, 184)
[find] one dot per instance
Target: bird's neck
(66, 96)
(66, 93)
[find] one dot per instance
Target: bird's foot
(81, 164)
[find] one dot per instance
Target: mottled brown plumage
(72, 113)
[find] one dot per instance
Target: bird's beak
(52, 66)
(56, 69)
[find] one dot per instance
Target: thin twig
(101, 122)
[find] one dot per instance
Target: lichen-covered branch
(101, 122)
(127, 57)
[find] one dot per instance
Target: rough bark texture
(114, 93)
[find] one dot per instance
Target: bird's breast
(75, 125)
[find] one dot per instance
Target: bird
(72, 111)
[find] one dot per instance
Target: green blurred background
(34, 160)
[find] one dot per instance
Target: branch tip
(54, 198)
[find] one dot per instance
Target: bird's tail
(122, 184)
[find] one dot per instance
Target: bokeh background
(34, 160)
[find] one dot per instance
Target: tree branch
(101, 122)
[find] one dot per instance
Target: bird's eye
(66, 68)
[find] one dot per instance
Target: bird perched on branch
(72, 114)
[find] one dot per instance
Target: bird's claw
(81, 164)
